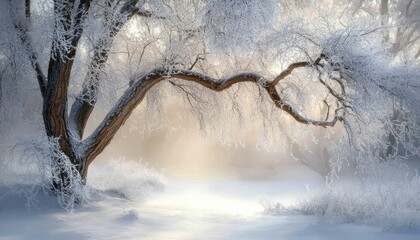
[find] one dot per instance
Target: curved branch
(145, 13)
(135, 94)
(279, 102)
(292, 67)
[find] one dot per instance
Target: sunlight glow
(206, 202)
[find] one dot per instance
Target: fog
(233, 119)
(182, 152)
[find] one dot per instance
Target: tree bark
(59, 71)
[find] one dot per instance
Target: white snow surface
(187, 209)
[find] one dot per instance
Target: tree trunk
(68, 175)
(83, 170)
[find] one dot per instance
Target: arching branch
(292, 67)
(136, 93)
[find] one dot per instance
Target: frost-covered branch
(145, 13)
(22, 25)
(292, 67)
(86, 99)
(136, 93)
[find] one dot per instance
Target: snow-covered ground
(186, 209)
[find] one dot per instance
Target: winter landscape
(209, 119)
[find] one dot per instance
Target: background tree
(264, 59)
(400, 21)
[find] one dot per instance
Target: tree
(185, 44)
(400, 22)
(401, 33)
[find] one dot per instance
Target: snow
(186, 209)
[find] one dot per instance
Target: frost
(360, 69)
(230, 23)
(126, 179)
(34, 165)
(389, 200)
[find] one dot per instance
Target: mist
(209, 119)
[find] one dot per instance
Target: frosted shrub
(392, 203)
(34, 165)
(128, 179)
